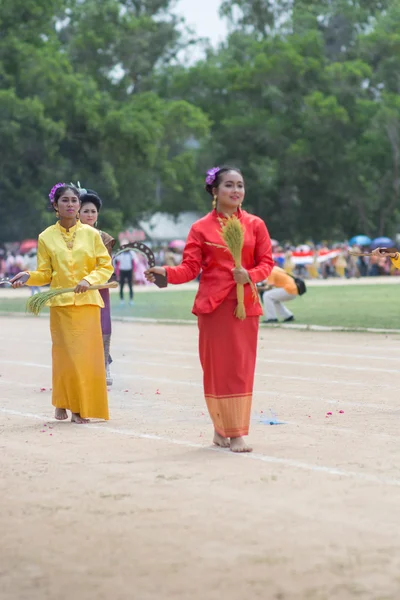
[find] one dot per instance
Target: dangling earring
(57, 213)
(214, 202)
(95, 224)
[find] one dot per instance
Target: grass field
(342, 306)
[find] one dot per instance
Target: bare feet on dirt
(239, 445)
(221, 441)
(76, 418)
(60, 414)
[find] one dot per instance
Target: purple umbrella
(382, 242)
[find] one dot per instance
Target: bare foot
(239, 445)
(60, 414)
(76, 418)
(221, 441)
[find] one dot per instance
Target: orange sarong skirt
(228, 350)
(79, 376)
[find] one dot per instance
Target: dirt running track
(142, 508)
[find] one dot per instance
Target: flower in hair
(53, 191)
(212, 175)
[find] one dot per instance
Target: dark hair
(93, 197)
(217, 181)
(59, 191)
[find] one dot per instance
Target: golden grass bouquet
(232, 233)
(38, 301)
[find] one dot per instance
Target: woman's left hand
(82, 286)
(240, 275)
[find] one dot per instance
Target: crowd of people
(318, 262)
(322, 262)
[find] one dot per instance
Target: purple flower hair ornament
(53, 191)
(212, 175)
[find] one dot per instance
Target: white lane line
(313, 399)
(273, 361)
(25, 364)
(19, 383)
(178, 382)
(270, 393)
(273, 376)
(260, 360)
(364, 384)
(273, 349)
(286, 462)
(156, 364)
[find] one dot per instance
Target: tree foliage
(303, 96)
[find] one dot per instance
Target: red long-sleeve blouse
(216, 264)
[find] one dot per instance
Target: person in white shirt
(126, 262)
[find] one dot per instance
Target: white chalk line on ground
(270, 393)
(271, 361)
(287, 462)
(190, 383)
(301, 351)
(256, 418)
(274, 349)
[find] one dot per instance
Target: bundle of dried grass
(232, 233)
(37, 302)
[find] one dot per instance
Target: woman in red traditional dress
(227, 345)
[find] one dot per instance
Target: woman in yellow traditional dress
(72, 254)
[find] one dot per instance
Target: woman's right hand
(383, 252)
(149, 274)
(20, 279)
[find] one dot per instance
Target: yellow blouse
(64, 268)
(396, 262)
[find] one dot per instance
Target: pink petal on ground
(203, 414)
(42, 389)
(158, 393)
(126, 390)
(341, 412)
(329, 414)
(51, 434)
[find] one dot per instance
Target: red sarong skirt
(228, 350)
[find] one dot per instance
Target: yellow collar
(77, 225)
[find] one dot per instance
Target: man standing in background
(126, 264)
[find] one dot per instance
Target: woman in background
(90, 207)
